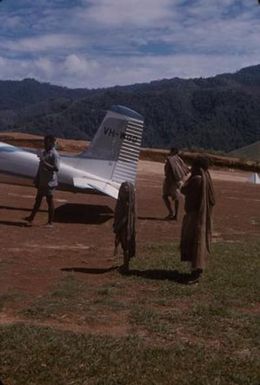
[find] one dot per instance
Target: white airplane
(110, 159)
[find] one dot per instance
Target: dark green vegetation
(219, 113)
(204, 334)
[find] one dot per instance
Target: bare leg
(37, 205)
(51, 209)
(168, 204)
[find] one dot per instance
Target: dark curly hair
(50, 139)
(201, 162)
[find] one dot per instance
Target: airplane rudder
(126, 165)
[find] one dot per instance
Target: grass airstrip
(164, 332)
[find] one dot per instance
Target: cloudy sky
(100, 43)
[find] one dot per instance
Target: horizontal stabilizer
(99, 185)
(106, 188)
(81, 183)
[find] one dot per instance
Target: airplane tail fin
(114, 152)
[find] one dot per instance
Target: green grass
(232, 276)
(75, 299)
(66, 297)
(31, 355)
(206, 334)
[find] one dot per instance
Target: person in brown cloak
(197, 222)
(175, 171)
(124, 223)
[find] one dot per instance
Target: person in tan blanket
(197, 222)
(175, 171)
(124, 223)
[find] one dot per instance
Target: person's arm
(56, 163)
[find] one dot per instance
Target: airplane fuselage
(19, 166)
(110, 159)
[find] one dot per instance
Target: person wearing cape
(124, 223)
(197, 222)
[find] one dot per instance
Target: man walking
(46, 179)
(175, 171)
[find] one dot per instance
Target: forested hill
(220, 113)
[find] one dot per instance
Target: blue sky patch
(100, 43)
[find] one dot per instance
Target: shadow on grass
(90, 270)
(80, 213)
(157, 274)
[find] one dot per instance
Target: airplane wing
(105, 187)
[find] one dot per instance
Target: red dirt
(32, 258)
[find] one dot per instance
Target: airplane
(110, 159)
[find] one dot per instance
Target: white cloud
(45, 68)
(75, 71)
(101, 43)
(79, 66)
(48, 42)
(144, 69)
(122, 13)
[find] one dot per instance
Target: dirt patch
(34, 259)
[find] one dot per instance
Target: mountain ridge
(220, 113)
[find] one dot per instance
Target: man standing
(197, 222)
(46, 179)
(175, 171)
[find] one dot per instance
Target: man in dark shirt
(46, 178)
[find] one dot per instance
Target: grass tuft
(174, 334)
